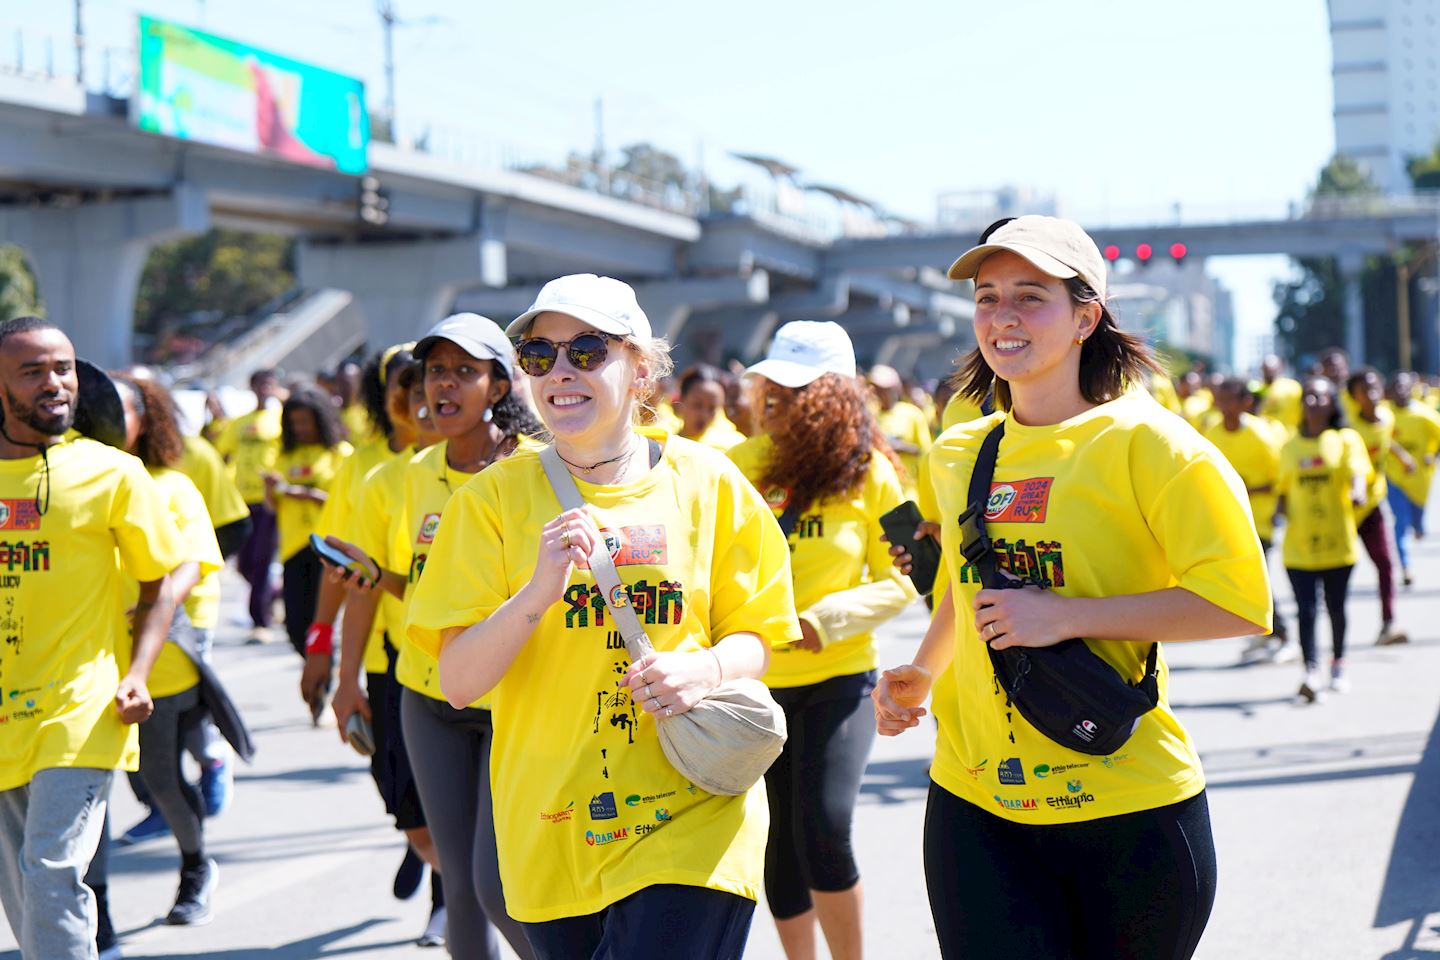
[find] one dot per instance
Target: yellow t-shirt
(204, 466)
(64, 639)
(337, 518)
(308, 465)
(581, 786)
(1315, 480)
(1282, 402)
(666, 417)
(382, 499)
(906, 423)
(959, 410)
(429, 483)
(1124, 498)
(1254, 452)
(721, 434)
(360, 430)
(1197, 408)
(251, 444)
(1162, 388)
(173, 671)
(1417, 429)
(844, 578)
(1377, 438)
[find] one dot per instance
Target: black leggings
(301, 590)
(812, 789)
(1305, 583)
(1139, 885)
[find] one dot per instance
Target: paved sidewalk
(1327, 817)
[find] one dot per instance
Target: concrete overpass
(88, 196)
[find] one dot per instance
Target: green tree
(18, 296)
(1310, 309)
(221, 273)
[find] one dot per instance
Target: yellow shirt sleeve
(173, 671)
(203, 465)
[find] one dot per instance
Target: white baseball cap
(607, 304)
(478, 336)
(1060, 248)
(805, 350)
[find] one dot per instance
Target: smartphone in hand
(900, 525)
(334, 557)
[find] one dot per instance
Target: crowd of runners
(450, 623)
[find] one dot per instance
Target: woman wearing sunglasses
(467, 367)
(605, 849)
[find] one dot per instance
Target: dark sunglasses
(588, 351)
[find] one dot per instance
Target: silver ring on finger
(656, 702)
(647, 692)
(989, 631)
(669, 712)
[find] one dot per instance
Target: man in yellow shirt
(1280, 400)
(251, 445)
(72, 512)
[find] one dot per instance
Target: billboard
(197, 86)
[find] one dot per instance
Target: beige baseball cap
(1060, 248)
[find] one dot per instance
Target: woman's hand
(809, 640)
(901, 553)
(564, 542)
(897, 698)
(349, 698)
(1024, 617)
(668, 684)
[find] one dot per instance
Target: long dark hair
(380, 370)
(1337, 419)
(512, 415)
(160, 443)
(327, 417)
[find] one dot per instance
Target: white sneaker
(1339, 683)
(1389, 636)
(1312, 686)
(258, 636)
(434, 935)
(1258, 648)
(1286, 652)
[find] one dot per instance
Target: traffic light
(1177, 252)
(1143, 253)
(373, 202)
(1112, 253)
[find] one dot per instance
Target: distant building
(974, 210)
(1387, 84)
(1180, 307)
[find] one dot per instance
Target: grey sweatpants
(450, 759)
(48, 832)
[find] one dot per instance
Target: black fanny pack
(1065, 691)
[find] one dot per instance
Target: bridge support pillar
(401, 287)
(88, 258)
(1352, 267)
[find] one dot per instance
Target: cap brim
(580, 312)
(476, 349)
(969, 263)
(787, 373)
(99, 411)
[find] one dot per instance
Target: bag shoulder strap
(617, 600)
(984, 471)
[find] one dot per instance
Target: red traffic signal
(1112, 253)
(1178, 251)
(1143, 252)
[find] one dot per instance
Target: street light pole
(387, 19)
(79, 45)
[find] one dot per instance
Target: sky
(1120, 108)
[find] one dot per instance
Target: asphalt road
(1327, 817)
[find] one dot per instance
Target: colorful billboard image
(197, 86)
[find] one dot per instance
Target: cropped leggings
(812, 789)
(450, 759)
(1138, 885)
